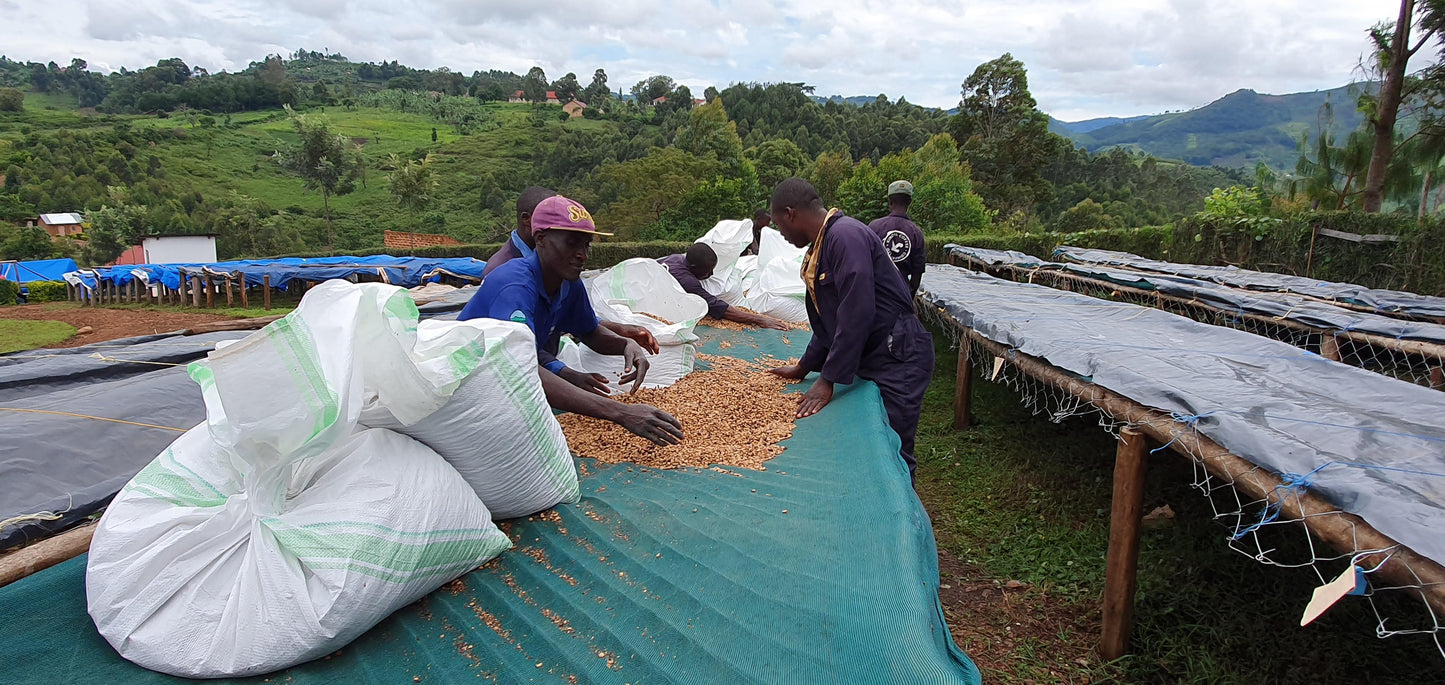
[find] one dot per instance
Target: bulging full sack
(779, 290)
(728, 238)
(627, 293)
(496, 430)
(278, 531)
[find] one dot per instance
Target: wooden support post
(44, 554)
(1330, 347)
(266, 290)
(1122, 564)
(245, 302)
(196, 292)
(1437, 377)
(963, 386)
(210, 292)
(228, 290)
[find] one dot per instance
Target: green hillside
(1237, 130)
(477, 173)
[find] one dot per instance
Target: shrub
(8, 292)
(46, 291)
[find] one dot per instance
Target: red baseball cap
(562, 214)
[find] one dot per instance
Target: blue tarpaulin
(37, 270)
(402, 271)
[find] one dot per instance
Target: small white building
(179, 249)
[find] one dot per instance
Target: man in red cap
(521, 244)
(544, 291)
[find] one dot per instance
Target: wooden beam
(44, 554)
(196, 292)
(228, 290)
(266, 290)
(1122, 565)
(210, 292)
(233, 325)
(963, 387)
(1330, 347)
(245, 301)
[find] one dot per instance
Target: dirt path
(107, 324)
(1011, 629)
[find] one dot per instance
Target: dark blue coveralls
(864, 325)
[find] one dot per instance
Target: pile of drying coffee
(655, 317)
(726, 325)
(734, 414)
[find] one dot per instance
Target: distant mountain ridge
(1240, 129)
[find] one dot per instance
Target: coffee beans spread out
(733, 414)
(735, 326)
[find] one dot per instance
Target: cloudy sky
(1086, 58)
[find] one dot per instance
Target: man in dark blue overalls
(859, 307)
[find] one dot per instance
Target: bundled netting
(1417, 361)
(1274, 518)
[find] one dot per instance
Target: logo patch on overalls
(897, 244)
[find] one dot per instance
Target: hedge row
(1292, 245)
(1416, 263)
(1151, 241)
(8, 292)
(45, 291)
(603, 254)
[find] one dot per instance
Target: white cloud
(1085, 57)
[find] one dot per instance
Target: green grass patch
(1024, 498)
(16, 334)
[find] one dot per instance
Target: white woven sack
(624, 292)
(728, 238)
(779, 289)
(668, 366)
(277, 532)
(497, 430)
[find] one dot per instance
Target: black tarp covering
(37, 372)
(1280, 305)
(1371, 445)
(1389, 301)
(60, 463)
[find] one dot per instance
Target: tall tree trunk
(330, 241)
(1389, 108)
(1425, 196)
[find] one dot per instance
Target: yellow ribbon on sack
(813, 255)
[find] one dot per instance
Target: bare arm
(649, 422)
(753, 319)
(635, 364)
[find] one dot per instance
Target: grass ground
(1020, 498)
(24, 335)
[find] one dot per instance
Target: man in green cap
(902, 239)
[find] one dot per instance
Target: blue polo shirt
(514, 292)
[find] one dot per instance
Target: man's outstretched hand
(651, 423)
(594, 383)
(637, 334)
(816, 398)
(634, 366)
(792, 371)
